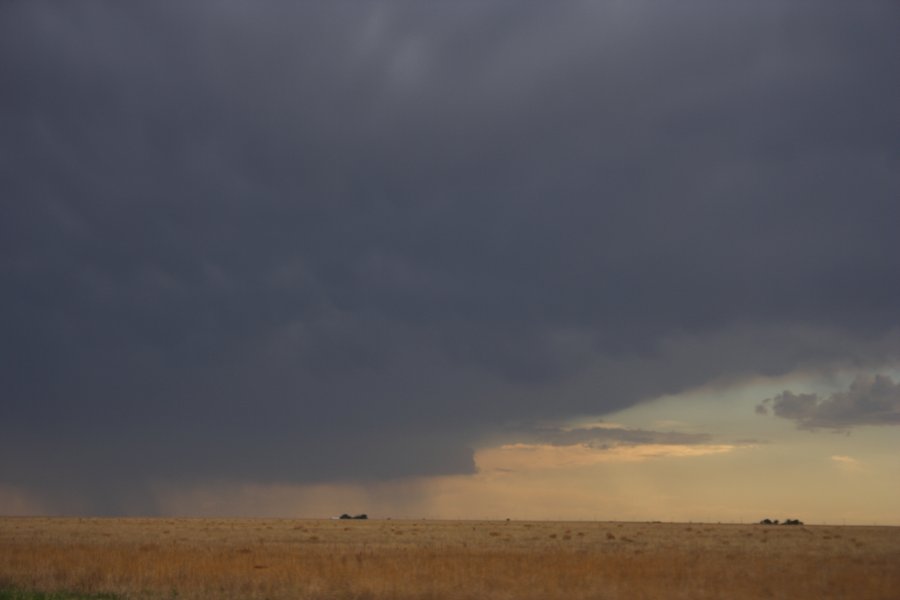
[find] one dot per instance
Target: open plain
(393, 559)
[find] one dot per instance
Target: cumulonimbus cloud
(307, 242)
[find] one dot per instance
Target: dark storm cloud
(868, 401)
(307, 241)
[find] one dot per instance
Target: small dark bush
(786, 522)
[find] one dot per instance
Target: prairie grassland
(380, 560)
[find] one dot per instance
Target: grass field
(384, 559)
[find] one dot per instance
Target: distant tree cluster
(786, 522)
(346, 516)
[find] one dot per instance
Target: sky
(620, 260)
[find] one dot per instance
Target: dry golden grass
(305, 559)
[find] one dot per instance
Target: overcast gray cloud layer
(326, 240)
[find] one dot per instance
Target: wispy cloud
(565, 447)
(847, 463)
(604, 435)
(522, 457)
